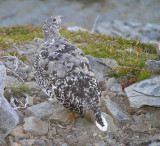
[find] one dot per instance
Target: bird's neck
(49, 35)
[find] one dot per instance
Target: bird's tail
(100, 121)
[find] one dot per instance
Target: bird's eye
(54, 20)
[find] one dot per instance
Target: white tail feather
(104, 128)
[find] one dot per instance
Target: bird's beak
(61, 17)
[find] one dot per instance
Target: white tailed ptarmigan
(63, 71)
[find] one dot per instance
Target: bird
(63, 72)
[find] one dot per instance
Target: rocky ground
(133, 114)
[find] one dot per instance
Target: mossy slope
(97, 45)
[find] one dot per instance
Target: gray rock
(101, 66)
(42, 111)
(49, 142)
(154, 144)
(155, 118)
(152, 65)
(27, 142)
(18, 132)
(8, 117)
(51, 132)
(103, 144)
(9, 64)
(139, 125)
(146, 92)
(40, 143)
(11, 81)
(2, 78)
(110, 94)
(62, 144)
(110, 82)
(117, 113)
(35, 126)
(117, 88)
(156, 137)
(33, 86)
(24, 69)
(60, 116)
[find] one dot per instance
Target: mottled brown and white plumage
(63, 71)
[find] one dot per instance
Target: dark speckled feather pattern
(63, 71)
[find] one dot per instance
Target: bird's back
(67, 74)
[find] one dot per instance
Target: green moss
(18, 34)
(16, 91)
(96, 45)
(144, 74)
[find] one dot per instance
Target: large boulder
(146, 92)
(8, 117)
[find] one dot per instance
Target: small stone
(33, 86)
(35, 126)
(156, 137)
(110, 94)
(85, 132)
(62, 144)
(112, 142)
(30, 100)
(96, 144)
(103, 144)
(155, 118)
(27, 142)
(88, 144)
(148, 115)
(49, 142)
(117, 88)
(42, 111)
(16, 144)
(94, 134)
(11, 81)
(39, 143)
(62, 116)
(110, 82)
(18, 131)
(51, 132)
(152, 65)
(154, 144)
(139, 125)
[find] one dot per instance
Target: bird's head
(51, 27)
(52, 23)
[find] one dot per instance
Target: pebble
(94, 134)
(16, 144)
(33, 86)
(18, 132)
(35, 126)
